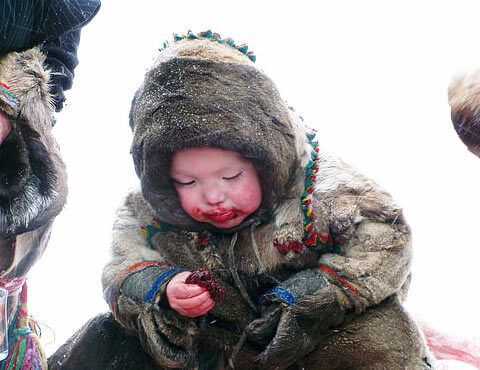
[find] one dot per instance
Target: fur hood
(464, 98)
(201, 93)
(32, 175)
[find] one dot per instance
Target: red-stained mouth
(222, 215)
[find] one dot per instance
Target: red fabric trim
(137, 266)
(333, 273)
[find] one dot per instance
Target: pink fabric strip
(12, 285)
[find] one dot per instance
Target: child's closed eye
(183, 183)
(233, 177)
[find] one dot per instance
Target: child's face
(216, 186)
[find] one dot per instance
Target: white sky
(371, 76)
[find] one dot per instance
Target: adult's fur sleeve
(134, 284)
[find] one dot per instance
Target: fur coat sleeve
(134, 284)
(365, 259)
(374, 247)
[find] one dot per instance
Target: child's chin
(227, 224)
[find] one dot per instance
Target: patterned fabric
(13, 285)
(311, 238)
(6, 96)
(24, 349)
(149, 231)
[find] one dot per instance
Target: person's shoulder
(134, 205)
(345, 191)
(334, 175)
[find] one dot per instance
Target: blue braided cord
(281, 293)
(151, 293)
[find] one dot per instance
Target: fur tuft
(203, 49)
(464, 98)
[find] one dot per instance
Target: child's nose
(214, 195)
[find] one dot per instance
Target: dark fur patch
(41, 163)
(14, 165)
(105, 344)
(22, 155)
(467, 125)
(32, 180)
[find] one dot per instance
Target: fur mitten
(294, 315)
(167, 336)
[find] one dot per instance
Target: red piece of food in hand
(205, 279)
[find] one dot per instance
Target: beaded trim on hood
(243, 48)
(311, 238)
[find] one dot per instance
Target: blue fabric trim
(151, 293)
(281, 293)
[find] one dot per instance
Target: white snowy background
(371, 76)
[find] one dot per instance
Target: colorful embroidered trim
(243, 48)
(25, 350)
(279, 292)
(338, 277)
(311, 238)
(6, 95)
(293, 245)
(150, 231)
(113, 286)
(153, 290)
(13, 285)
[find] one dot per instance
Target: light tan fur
(203, 49)
(464, 92)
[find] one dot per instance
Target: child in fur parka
(238, 201)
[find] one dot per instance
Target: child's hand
(189, 300)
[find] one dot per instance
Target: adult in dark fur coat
(32, 175)
(32, 187)
(314, 274)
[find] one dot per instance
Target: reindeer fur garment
(32, 175)
(464, 98)
(344, 308)
(32, 186)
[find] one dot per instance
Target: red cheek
(197, 212)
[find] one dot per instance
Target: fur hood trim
(200, 93)
(464, 98)
(32, 175)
